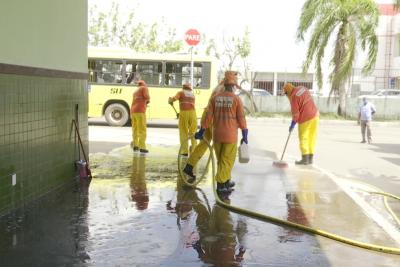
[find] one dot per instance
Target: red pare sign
(192, 37)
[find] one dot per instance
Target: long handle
(176, 112)
(290, 132)
(80, 141)
(77, 123)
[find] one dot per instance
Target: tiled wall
(37, 141)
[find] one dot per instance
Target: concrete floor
(326, 196)
(137, 213)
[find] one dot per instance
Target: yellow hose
(385, 197)
(279, 222)
(198, 180)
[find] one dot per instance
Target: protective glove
(199, 134)
(244, 136)
(292, 126)
(170, 101)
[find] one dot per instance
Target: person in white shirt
(367, 109)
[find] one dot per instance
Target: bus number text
(114, 91)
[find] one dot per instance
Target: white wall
(44, 33)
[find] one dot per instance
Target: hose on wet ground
(277, 221)
(385, 198)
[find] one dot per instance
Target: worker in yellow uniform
(225, 111)
(140, 100)
(187, 117)
(305, 113)
(201, 148)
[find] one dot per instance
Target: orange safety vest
(225, 111)
(302, 105)
(186, 99)
(140, 100)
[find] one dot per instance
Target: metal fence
(273, 81)
(378, 79)
(387, 108)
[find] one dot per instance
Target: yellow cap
(288, 88)
(187, 86)
(230, 77)
(141, 83)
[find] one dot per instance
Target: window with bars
(266, 85)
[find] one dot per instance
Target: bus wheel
(116, 115)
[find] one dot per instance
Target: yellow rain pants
(139, 129)
(308, 135)
(226, 155)
(201, 148)
(187, 126)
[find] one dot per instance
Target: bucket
(81, 166)
(244, 153)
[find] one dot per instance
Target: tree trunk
(342, 101)
(338, 82)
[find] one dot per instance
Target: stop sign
(192, 37)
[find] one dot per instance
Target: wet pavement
(137, 213)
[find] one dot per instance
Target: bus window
(178, 73)
(150, 72)
(131, 74)
(105, 71)
(205, 75)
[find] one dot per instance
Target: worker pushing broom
(305, 113)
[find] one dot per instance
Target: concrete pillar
(275, 83)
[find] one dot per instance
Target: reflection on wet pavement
(138, 213)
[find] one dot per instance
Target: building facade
(43, 87)
(386, 74)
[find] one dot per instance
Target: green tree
(113, 29)
(231, 50)
(352, 24)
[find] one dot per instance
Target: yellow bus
(112, 76)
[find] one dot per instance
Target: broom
(176, 112)
(88, 172)
(280, 163)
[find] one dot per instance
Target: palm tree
(352, 23)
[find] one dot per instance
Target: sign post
(192, 38)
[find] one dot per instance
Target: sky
(272, 25)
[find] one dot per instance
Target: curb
(323, 122)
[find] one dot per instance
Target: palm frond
(354, 21)
(345, 63)
(372, 54)
(321, 52)
(310, 10)
(323, 29)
